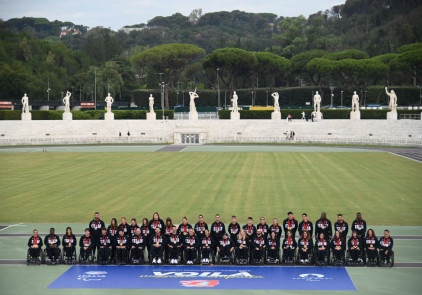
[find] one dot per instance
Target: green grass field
(69, 187)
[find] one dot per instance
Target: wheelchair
(66, 260)
(35, 260)
(144, 258)
(210, 260)
(324, 262)
(91, 258)
(258, 261)
(116, 260)
(386, 263)
(338, 262)
(196, 257)
(290, 261)
(47, 261)
(309, 261)
(224, 260)
(241, 261)
(359, 262)
(272, 260)
(374, 262)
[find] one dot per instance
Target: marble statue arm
(386, 91)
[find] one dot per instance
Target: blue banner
(205, 277)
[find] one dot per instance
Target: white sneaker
(306, 260)
(159, 260)
(154, 260)
(302, 261)
(207, 260)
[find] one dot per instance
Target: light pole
(218, 88)
(162, 92)
(267, 97)
(332, 95)
(365, 98)
(177, 92)
(420, 94)
(95, 89)
(342, 99)
(252, 98)
(80, 92)
(48, 88)
(183, 98)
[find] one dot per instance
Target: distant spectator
(128, 133)
(303, 116)
(120, 133)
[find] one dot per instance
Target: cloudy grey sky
(118, 13)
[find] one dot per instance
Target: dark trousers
(206, 253)
(383, 256)
(273, 253)
(257, 254)
(157, 252)
(304, 255)
(321, 254)
(34, 252)
(371, 254)
(104, 253)
(225, 251)
(190, 254)
(85, 253)
(242, 253)
(338, 254)
(68, 251)
(121, 254)
(173, 252)
(94, 244)
(354, 253)
(52, 253)
(137, 253)
(288, 253)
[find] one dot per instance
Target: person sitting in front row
(69, 245)
(35, 244)
(289, 246)
(385, 247)
(85, 244)
(104, 249)
(52, 243)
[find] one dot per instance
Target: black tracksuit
(224, 247)
(338, 254)
(190, 244)
(207, 244)
(242, 253)
(184, 229)
(35, 252)
(320, 254)
(153, 224)
(168, 230)
(290, 225)
(104, 244)
(68, 250)
(200, 228)
(157, 252)
(371, 246)
(121, 241)
(85, 241)
(323, 226)
(126, 228)
(138, 244)
(52, 243)
(112, 231)
(218, 229)
(277, 229)
(273, 243)
(174, 244)
(359, 225)
(343, 228)
(132, 230)
(306, 226)
(250, 232)
(355, 247)
(233, 229)
(303, 244)
(145, 231)
(260, 244)
(264, 228)
(289, 246)
(385, 244)
(95, 227)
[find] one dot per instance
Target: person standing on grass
(95, 227)
(35, 244)
(69, 244)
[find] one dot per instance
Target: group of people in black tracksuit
(165, 241)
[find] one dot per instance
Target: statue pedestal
(109, 116)
(151, 116)
(317, 116)
(392, 116)
(193, 116)
(234, 116)
(355, 115)
(276, 116)
(67, 116)
(26, 117)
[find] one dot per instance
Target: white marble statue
(109, 100)
(66, 101)
(393, 100)
(317, 102)
(25, 104)
(151, 103)
(234, 101)
(355, 102)
(192, 106)
(276, 105)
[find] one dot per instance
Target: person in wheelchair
(191, 244)
(52, 244)
(104, 243)
(322, 249)
(225, 247)
(371, 246)
(35, 244)
(85, 244)
(305, 245)
(206, 246)
(122, 244)
(289, 247)
(242, 248)
(175, 243)
(69, 245)
(273, 248)
(355, 247)
(338, 247)
(258, 247)
(386, 247)
(275, 228)
(137, 246)
(157, 242)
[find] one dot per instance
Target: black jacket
(31, 241)
(95, 227)
(51, 240)
(323, 226)
(105, 241)
(385, 244)
(369, 242)
(85, 241)
(218, 230)
(242, 242)
(154, 238)
(126, 228)
(207, 241)
(341, 243)
(191, 241)
(226, 243)
(138, 241)
(200, 229)
(250, 231)
(354, 242)
(343, 228)
(287, 244)
(263, 227)
(319, 243)
(259, 242)
(69, 239)
(360, 227)
(233, 230)
(132, 229)
(145, 231)
(291, 225)
(184, 229)
(112, 231)
(306, 226)
(175, 240)
(277, 229)
(308, 243)
(273, 243)
(156, 223)
(122, 241)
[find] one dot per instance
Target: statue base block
(26, 117)
(193, 116)
(317, 116)
(392, 116)
(109, 116)
(355, 115)
(234, 116)
(67, 116)
(151, 116)
(276, 116)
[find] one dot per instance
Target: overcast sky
(118, 13)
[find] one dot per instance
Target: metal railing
(201, 116)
